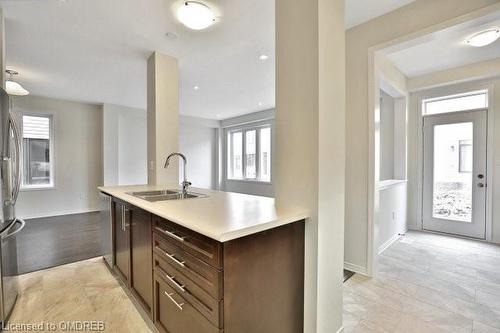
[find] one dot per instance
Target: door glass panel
(453, 163)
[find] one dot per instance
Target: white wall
(124, 145)
(132, 151)
(417, 17)
(78, 158)
(198, 142)
(386, 136)
(392, 214)
(310, 144)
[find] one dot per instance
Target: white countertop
(222, 216)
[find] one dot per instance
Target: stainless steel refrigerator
(10, 226)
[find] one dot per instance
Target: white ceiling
(95, 51)
(360, 11)
(444, 49)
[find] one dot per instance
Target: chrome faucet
(185, 183)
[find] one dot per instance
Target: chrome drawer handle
(172, 235)
(172, 256)
(173, 300)
(178, 285)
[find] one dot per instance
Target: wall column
(310, 144)
(163, 118)
(2, 50)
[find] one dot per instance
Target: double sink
(164, 195)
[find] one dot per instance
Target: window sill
(37, 188)
(249, 181)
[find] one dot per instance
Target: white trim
(52, 139)
(391, 241)
(355, 268)
(257, 126)
(61, 213)
(341, 329)
(390, 183)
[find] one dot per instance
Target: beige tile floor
(82, 291)
(427, 283)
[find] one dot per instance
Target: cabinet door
(122, 242)
(173, 314)
(141, 248)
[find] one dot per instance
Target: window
(249, 153)
(455, 103)
(37, 154)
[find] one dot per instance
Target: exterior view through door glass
(455, 173)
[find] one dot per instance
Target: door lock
(480, 176)
(481, 185)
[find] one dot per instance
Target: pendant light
(12, 87)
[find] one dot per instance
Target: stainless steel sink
(163, 195)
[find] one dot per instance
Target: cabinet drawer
(190, 291)
(173, 314)
(204, 248)
(204, 275)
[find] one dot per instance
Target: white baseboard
(70, 212)
(355, 268)
(391, 241)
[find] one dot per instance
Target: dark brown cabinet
(189, 283)
(122, 241)
(250, 284)
(141, 256)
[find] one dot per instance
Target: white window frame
(257, 126)
(426, 101)
(52, 120)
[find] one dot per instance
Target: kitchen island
(222, 262)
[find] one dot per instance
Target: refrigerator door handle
(17, 142)
(23, 224)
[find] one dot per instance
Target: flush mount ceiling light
(195, 15)
(263, 57)
(12, 87)
(483, 38)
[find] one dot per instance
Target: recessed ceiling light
(263, 57)
(195, 15)
(196, 87)
(483, 38)
(260, 103)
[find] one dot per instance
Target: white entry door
(455, 173)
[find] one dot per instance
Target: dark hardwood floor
(59, 240)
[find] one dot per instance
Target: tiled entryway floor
(427, 283)
(82, 291)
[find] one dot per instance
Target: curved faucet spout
(185, 183)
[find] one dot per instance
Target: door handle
(481, 185)
(480, 176)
